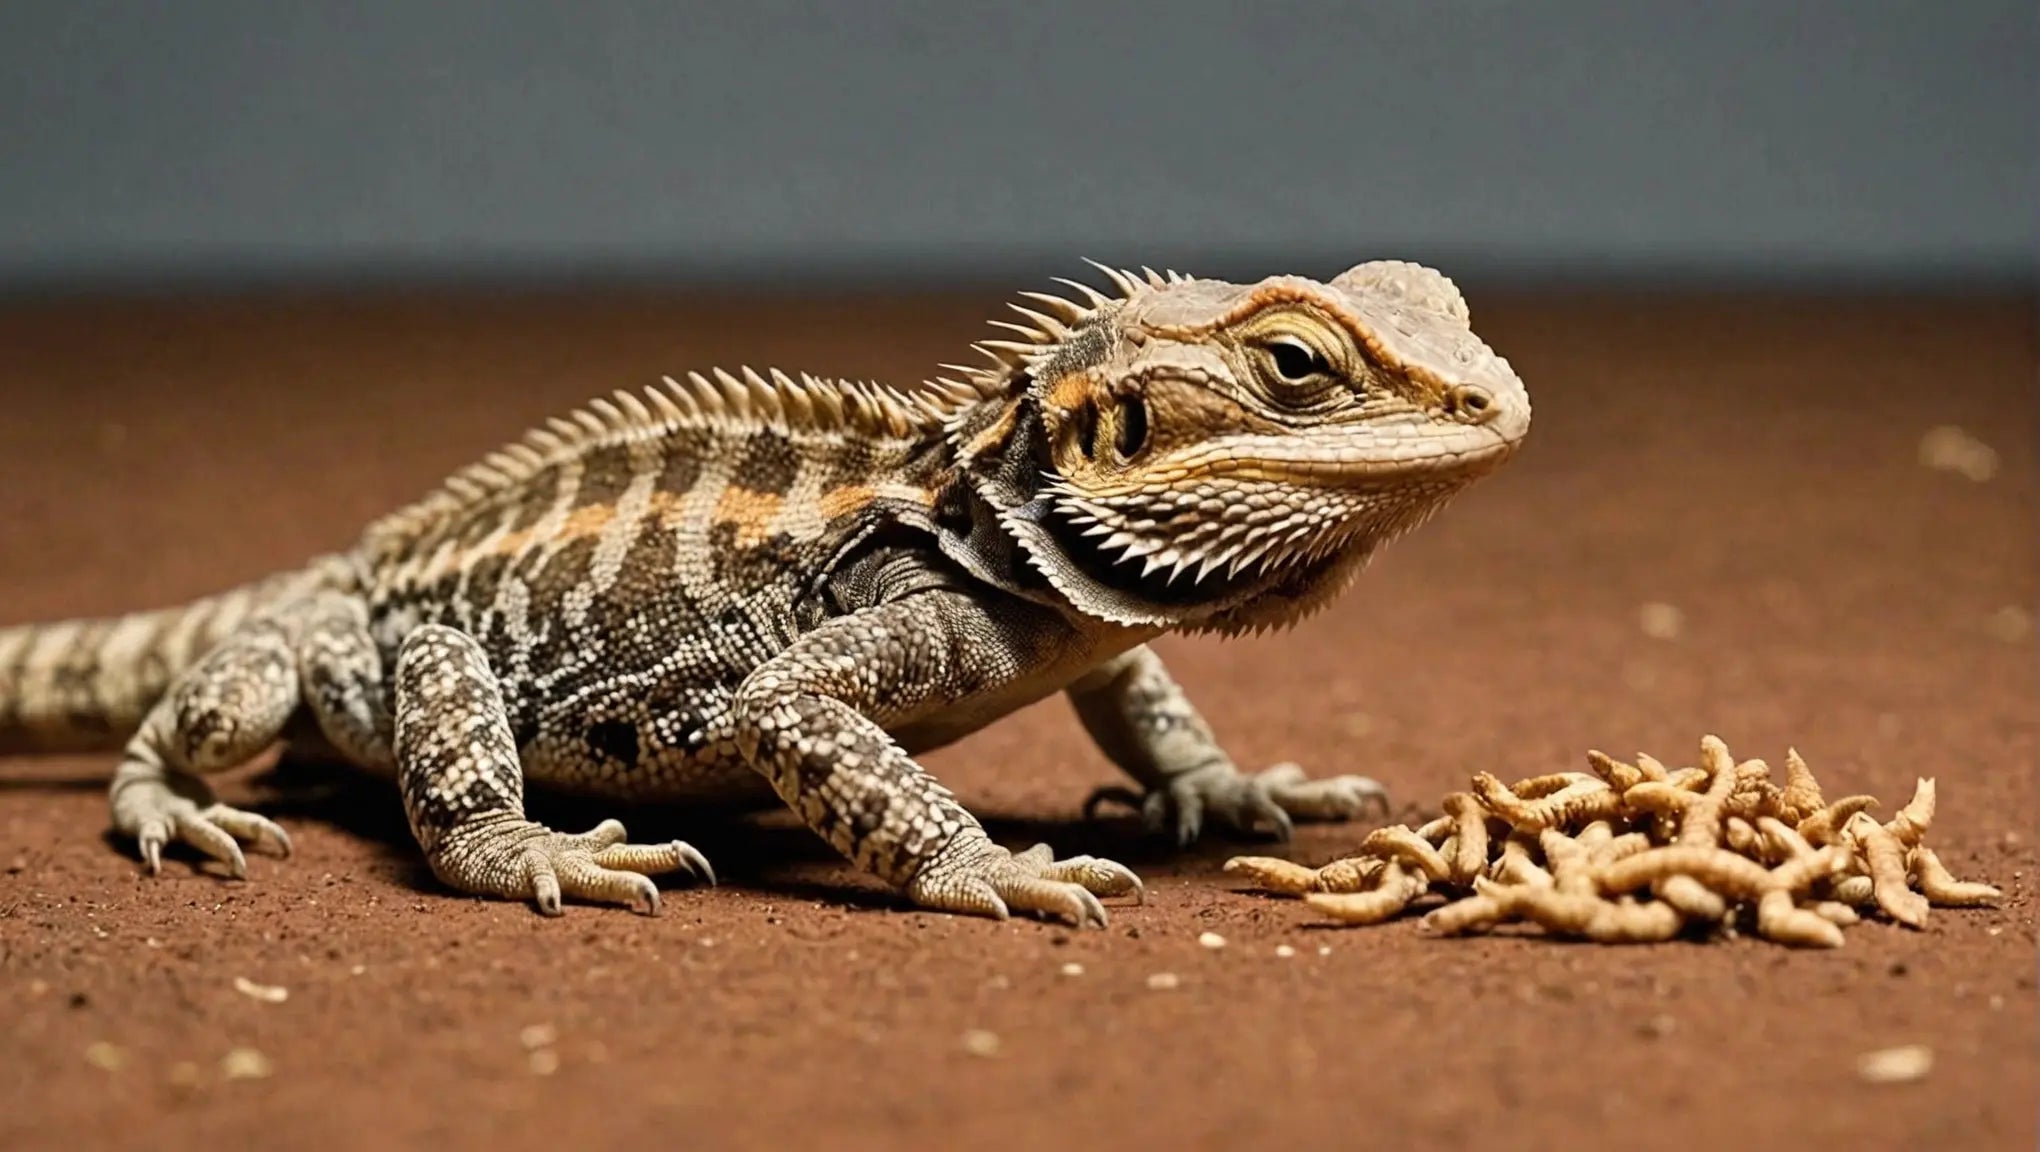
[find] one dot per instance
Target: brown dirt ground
(1751, 461)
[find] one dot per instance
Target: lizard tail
(85, 685)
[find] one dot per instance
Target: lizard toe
(1063, 901)
(161, 812)
(980, 878)
(201, 833)
(656, 859)
(1096, 876)
(583, 879)
(250, 828)
(150, 839)
(1331, 798)
(520, 860)
(1265, 803)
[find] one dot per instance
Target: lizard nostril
(1470, 403)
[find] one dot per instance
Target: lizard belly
(951, 724)
(627, 741)
(954, 721)
(658, 775)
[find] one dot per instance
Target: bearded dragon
(743, 586)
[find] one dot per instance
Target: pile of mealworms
(1640, 852)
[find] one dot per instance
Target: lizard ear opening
(1086, 419)
(1091, 425)
(1133, 428)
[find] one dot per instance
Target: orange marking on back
(846, 500)
(906, 493)
(853, 498)
(582, 522)
(751, 512)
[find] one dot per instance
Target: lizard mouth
(1381, 459)
(1462, 458)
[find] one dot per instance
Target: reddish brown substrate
(1752, 462)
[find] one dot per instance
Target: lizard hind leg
(340, 672)
(218, 714)
(463, 791)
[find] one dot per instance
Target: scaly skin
(743, 585)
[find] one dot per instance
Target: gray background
(867, 142)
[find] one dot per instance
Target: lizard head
(1217, 456)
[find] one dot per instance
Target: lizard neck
(997, 517)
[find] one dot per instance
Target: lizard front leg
(1144, 723)
(814, 721)
(463, 791)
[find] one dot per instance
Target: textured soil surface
(1752, 462)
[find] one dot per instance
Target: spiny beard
(1295, 594)
(1182, 537)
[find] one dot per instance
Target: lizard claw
(180, 809)
(521, 860)
(975, 876)
(1331, 798)
(1268, 802)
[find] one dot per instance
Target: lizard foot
(520, 860)
(977, 877)
(1268, 802)
(161, 808)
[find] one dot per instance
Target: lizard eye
(1295, 361)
